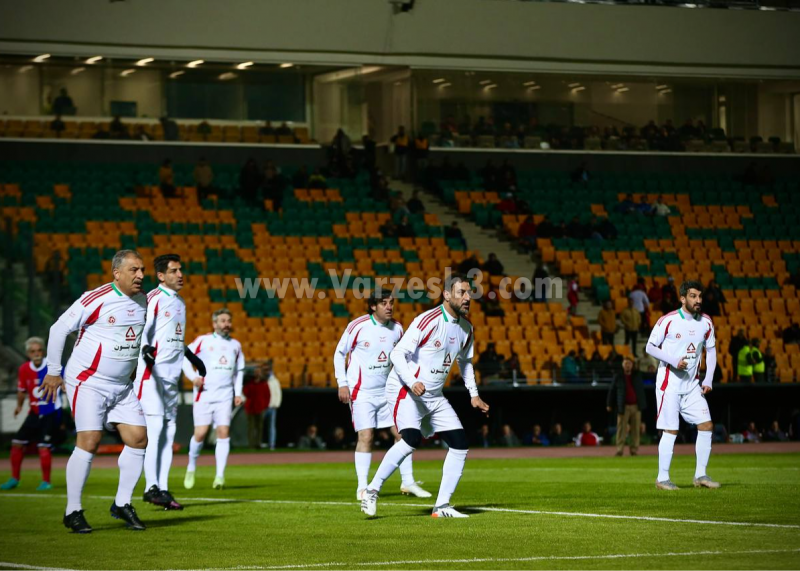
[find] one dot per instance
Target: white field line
(430, 506)
(517, 559)
(6, 564)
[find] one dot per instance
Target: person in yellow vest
(757, 358)
(744, 366)
(401, 148)
(420, 154)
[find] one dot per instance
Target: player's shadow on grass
(206, 504)
(159, 523)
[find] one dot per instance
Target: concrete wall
(441, 33)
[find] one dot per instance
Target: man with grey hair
(43, 418)
(224, 362)
(99, 383)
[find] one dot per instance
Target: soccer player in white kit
(369, 340)
(677, 341)
(159, 374)
(224, 362)
(99, 383)
(421, 362)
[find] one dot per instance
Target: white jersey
(163, 330)
(426, 352)
(369, 344)
(682, 336)
(107, 348)
(224, 361)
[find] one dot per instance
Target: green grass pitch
(525, 514)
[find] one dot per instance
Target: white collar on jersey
(375, 322)
(167, 290)
(36, 369)
(695, 317)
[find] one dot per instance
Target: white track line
(5, 564)
(430, 506)
(517, 559)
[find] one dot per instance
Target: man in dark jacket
(627, 394)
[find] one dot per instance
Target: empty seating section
(745, 238)
(188, 132)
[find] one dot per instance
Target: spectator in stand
(572, 296)
(527, 233)
(631, 320)
(540, 277)
(63, 104)
(569, 368)
(626, 395)
(587, 437)
(284, 130)
(606, 228)
(575, 229)
(536, 437)
(613, 362)
(399, 210)
(389, 229)
(596, 366)
(687, 130)
(642, 305)
(415, 205)
(493, 266)
(256, 393)
(491, 304)
(713, 288)
(659, 208)
(751, 433)
(669, 302)
(580, 175)
(420, 151)
(117, 129)
(275, 401)
(401, 149)
(141, 134)
(711, 305)
(720, 434)
(511, 366)
(453, 232)
(57, 125)
(266, 129)
(170, 128)
(404, 229)
(654, 294)
(468, 265)
(644, 207)
(509, 438)
(337, 441)
(203, 128)
(607, 319)
(311, 440)
(775, 434)
(484, 437)
(744, 363)
(273, 184)
(317, 180)
(250, 179)
(584, 370)
(166, 179)
(738, 342)
(545, 229)
(558, 437)
(791, 335)
(507, 205)
(627, 205)
(300, 178)
(203, 178)
(490, 362)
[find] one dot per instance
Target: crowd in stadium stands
(691, 135)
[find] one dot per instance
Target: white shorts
(429, 415)
(371, 411)
(98, 404)
(157, 397)
(212, 413)
(692, 406)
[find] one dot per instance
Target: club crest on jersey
(112, 320)
(678, 336)
(366, 343)
(130, 334)
(691, 348)
(437, 344)
(382, 357)
(223, 360)
(166, 314)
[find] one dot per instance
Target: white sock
(221, 452)
(363, 460)
(155, 424)
(194, 451)
(407, 471)
(165, 460)
(78, 468)
(665, 455)
(451, 474)
(703, 451)
(394, 457)
(130, 470)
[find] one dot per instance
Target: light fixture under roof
(77, 70)
(574, 84)
(227, 76)
(490, 86)
(93, 60)
(145, 61)
(440, 80)
(617, 85)
(485, 82)
(286, 65)
(665, 91)
(127, 72)
(535, 88)
(175, 74)
(41, 58)
(244, 65)
(446, 84)
(663, 86)
(623, 89)
(579, 88)
(529, 83)
(25, 68)
(194, 63)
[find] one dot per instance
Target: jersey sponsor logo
(437, 344)
(382, 339)
(130, 334)
(452, 340)
(112, 319)
(131, 312)
(178, 330)
(447, 361)
(691, 348)
(382, 357)
(691, 332)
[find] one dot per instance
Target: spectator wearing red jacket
(257, 394)
(587, 437)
